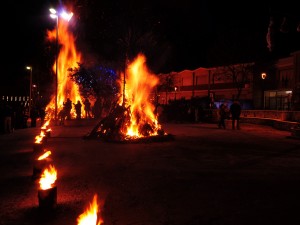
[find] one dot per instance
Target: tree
(239, 75)
(99, 82)
(166, 84)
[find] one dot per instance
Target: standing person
(222, 113)
(33, 116)
(8, 118)
(68, 108)
(235, 110)
(42, 114)
(87, 108)
(78, 109)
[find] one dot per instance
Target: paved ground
(205, 176)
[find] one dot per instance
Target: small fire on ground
(90, 216)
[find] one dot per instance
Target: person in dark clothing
(42, 114)
(8, 113)
(235, 111)
(222, 114)
(87, 108)
(68, 108)
(78, 109)
(33, 116)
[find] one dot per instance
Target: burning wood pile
(114, 127)
(133, 118)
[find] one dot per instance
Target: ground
(205, 175)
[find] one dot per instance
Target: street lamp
(30, 88)
(66, 16)
(175, 89)
(263, 77)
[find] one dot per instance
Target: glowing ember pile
(68, 57)
(133, 118)
(89, 217)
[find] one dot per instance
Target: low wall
(281, 120)
(293, 116)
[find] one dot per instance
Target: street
(203, 176)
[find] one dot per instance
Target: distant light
(263, 76)
(52, 11)
(53, 16)
(66, 16)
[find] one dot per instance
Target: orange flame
(45, 155)
(68, 57)
(139, 85)
(89, 217)
(48, 178)
(38, 139)
(45, 125)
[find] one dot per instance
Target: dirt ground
(203, 176)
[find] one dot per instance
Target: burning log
(114, 128)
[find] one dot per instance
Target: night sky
(174, 35)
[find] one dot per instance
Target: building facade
(273, 86)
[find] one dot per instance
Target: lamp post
(66, 16)
(175, 89)
(53, 15)
(263, 77)
(30, 88)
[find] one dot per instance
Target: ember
(133, 118)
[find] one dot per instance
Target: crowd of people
(16, 116)
(65, 112)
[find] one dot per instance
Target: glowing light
(48, 178)
(89, 217)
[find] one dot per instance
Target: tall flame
(68, 57)
(89, 217)
(48, 178)
(139, 85)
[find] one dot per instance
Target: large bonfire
(133, 117)
(68, 57)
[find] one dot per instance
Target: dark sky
(186, 34)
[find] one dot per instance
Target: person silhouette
(235, 110)
(87, 108)
(68, 108)
(78, 109)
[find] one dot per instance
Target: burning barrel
(47, 192)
